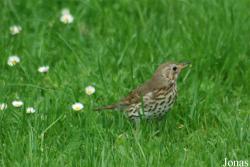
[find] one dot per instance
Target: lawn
(115, 46)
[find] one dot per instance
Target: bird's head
(170, 71)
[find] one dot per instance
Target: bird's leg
(137, 122)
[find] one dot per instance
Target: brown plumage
(153, 98)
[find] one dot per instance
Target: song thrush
(153, 98)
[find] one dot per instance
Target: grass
(116, 45)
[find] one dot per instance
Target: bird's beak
(184, 65)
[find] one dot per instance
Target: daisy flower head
(13, 60)
(30, 110)
(15, 29)
(89, 90)
(17, 103)
(66, 17)
(3, 106)
(77, 106)
(43, 69)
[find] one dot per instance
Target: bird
(154, 98)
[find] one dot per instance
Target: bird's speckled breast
(154, 104)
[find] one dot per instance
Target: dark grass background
(116, 45)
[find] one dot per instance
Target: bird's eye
(174, 68)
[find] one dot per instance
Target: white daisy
(89, 90)
(30, 110)
(43, 69)
(13, 60)
(15, 29)
(3, 106)
(17, 103)
(77, 106)
(66, 18)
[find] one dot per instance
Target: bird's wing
(132, 98)
(152, 92)
(136, 95)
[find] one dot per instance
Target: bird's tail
(109, 107)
